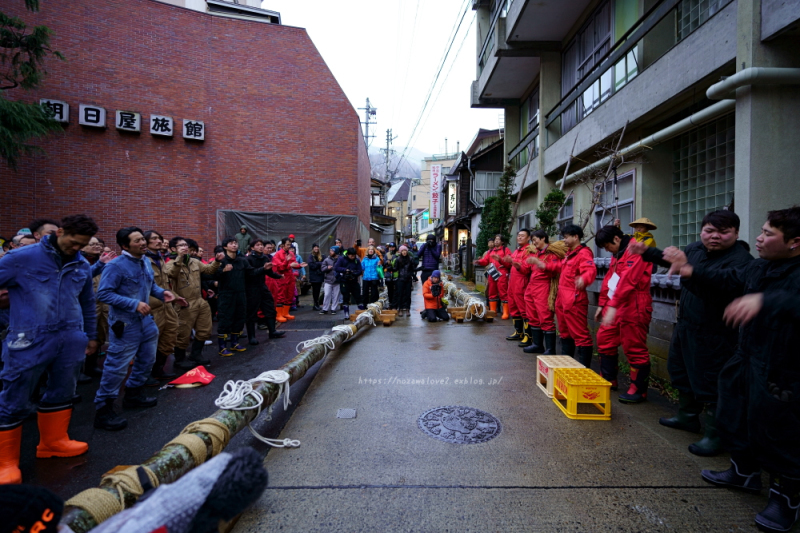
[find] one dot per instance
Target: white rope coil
(324, 340)
(235, 393)
(346, 329)
(479, 306)
(368, 316)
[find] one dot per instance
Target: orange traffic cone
(505, 316)
(279, 311)
(54, 441)
(9, 456)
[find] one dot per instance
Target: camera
(436, 290)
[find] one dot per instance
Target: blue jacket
(370, 267)
(430, 256)
(46, 295)
(126, 281)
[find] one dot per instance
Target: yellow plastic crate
(546, 366)
(581, 394)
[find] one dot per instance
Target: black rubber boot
(273, 332)
(549, 343)
(196, 356)
(585, 354)
(744, 477)
(106, 418)
(709, 445)
(517, 335)
(783, 508)
(609, 369)
(637, 393)
(135, 397)
(526, 335)
(251, 334)
(568, 346)
(688, 417)
(158, 371)
(537, 344)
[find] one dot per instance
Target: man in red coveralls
(517, 282)
(625, 306)
(497, 290)
(537, 296)
(283, 262)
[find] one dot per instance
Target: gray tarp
(307, 229)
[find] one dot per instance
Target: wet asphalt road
(149, 429)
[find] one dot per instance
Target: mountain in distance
(409, 166)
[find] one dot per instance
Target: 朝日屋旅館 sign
(95, 117)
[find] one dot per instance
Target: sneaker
(263, 326)
(323, 312)
(225, 352)
(209, 342)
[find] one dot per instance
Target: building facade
(176, 114)
(571, 77)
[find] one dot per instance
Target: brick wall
(281, 134)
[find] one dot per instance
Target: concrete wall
(281, 135)
(705, 51)
(777, 16)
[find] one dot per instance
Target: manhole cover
(459, 425)
(346, 413)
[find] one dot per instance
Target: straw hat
(644, 221)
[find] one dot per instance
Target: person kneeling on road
(432, 291)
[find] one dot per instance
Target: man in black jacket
(259, 295)
(233, 274)
(758, 410)
(701, 342)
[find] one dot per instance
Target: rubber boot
(709, 445)
(251, 334)
(158, 371)
(739, 476)
(106, 418)
(549, 343)
(537, 341)
(568, 346)
(181, 363)
(9, 456)
(517, 335)
(584, 355)
(346, 311)
(53, 438)
(286, 314)
(223, 346)
(609, 369)
(279, 313)
(235, 346)
(688, 417)
(526, 335)
(506, 314)
(135, 397)
(640, 378)
(493, 305)
(274, 333)
(196, 356)
(783, 508)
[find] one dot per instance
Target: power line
(433, 85)
(408, 63)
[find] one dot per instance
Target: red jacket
(543, 276)
(579, 263)
(280, 264)
(498, 264)
(431, 301)
(520, 255)
(632, 294)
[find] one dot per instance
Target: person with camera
(497, 279)
(432, 291)
(348, 269)
(430, 254)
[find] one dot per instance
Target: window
(693, 13)
(604, 214)
(703, 168)
(414, 198)
(528, 220)
(566, 214)
(485, 186)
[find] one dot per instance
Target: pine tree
(22, 55)
(547, 213)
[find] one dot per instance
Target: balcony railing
(500, 9)
(526, 150)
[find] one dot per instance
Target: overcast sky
(376, 50)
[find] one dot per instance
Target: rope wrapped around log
(183, 453)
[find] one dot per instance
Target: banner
(436, 187)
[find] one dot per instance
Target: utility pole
(369, 113)
(388, 152)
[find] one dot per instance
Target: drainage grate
(346, 413)
(459, 425)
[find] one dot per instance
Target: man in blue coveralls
(52, 327)
(126, 286)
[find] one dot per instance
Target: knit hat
(291, 236)
(24, 231)
(336, 249)
(436, 274)
(402, 247)
(24, 507)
